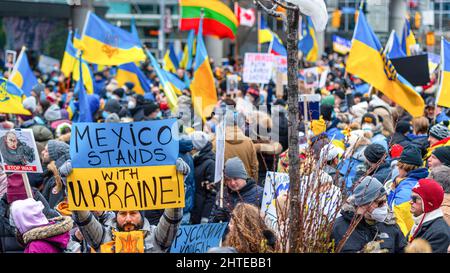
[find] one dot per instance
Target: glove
(182, 166)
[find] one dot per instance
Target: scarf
(423, 218)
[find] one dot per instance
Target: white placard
(258, 67)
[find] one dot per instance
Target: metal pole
(161, 37)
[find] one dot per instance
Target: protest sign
(280, 68)
(311, 77)
(341, 45)
(198, 238)
(48, 64)
(313, 106)
(258, 68)
(19, 152)
(232, 84)
(125, 166)
(10, 57)
(275, 184)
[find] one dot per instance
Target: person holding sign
(130, 231)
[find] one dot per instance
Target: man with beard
(14, 151)
(130, 231)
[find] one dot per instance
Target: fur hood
(60, 225)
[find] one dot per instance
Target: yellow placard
(128, 188)
(129, 242)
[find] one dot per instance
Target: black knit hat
(403, 127)
(411, 155)
(112, 106)
(374, 152)
(443, 154)
(369, 118)
(439, 131)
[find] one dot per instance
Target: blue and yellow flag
(444, 89)
(368, 61)
(131, 73)
(177, 84)
(408, 38)
(103, 43)
(170, 60)
(395, 50)
(22, 75)
(85, 114)
(265, 35)
(11, 98)
(308, 44)
(167, 87)
(186, 61)
(203, 88)
(277, 47)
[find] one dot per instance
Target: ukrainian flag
(444, 89)
(308, 44)
(396, 50)
(408, 38)
(77, 43)
(22, 75)
(203, 89)
(177, 84)
(167, 87)
(265, 35)
(186, 61)
(11, 98)
(171, 63)
(277, 47)
(368, 61)
(131, 73)
(72, 110)
(85, 114)
(103, 43)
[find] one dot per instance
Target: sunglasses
(414, 198)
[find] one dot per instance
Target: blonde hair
(420, 125)
(418, 246)
(407, 167)
(247, 233)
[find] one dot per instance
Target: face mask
(367, 127)
(380, 214)
(131, 105)
(159, 115)
(105, 114)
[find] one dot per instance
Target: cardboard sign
(313, 106)
(280, 68)
(19, 152)
(232, 84)
(258, 68)
(198, 238)
(125, 166)
(276, 184)
(10, 59)
(413, 68)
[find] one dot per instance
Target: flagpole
(439, 79)
(257, 32)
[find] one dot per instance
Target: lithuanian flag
(218, 18)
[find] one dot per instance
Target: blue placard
(145, 143)
(198, 238)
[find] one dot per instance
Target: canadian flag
(246, 17)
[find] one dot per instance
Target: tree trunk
(294, 172)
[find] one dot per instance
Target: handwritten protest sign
(276, 184)
(19, 152)
(280, 68)
(125, 166)
(198, 238)
(258, 67)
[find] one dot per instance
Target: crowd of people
(381, 166)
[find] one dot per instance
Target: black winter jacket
(437, 233)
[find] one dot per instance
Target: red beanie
(431, 192)
(15, 189)
(396, 150)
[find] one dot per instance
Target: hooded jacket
(204, 168)
(52, 238)
(434, 230)
(388, 231)
(399, 195)
(237, 144)
(157, 238)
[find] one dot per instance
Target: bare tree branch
(286, 5)
(272, 11)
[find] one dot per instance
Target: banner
(198, 238)
(18, 151)
(258, 67)
(275, 185)
(341, 45)
(125, 166)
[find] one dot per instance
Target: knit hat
(411, 155)
(38, 89)
(53, 113)
(58, 151)
(340, 94)
(150, 108)
(199, 139)
(374, 152)
(403, 127)
(369, 118)
(119, 92)
(368, 190)
(112, 106)
(443, 154)
(113, 117)
(15, 189)
(28, 214)
(234, 168)
(439, 131)
(129, 85)
(431, 193)
(30, 103)
(41, 133)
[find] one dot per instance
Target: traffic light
(336, 18)
(431, 40)
(417, 20)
